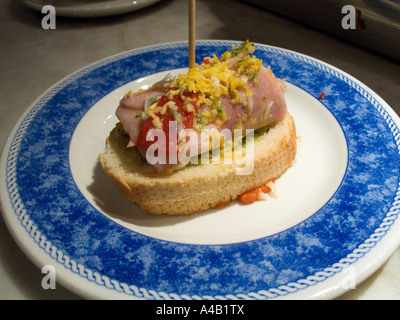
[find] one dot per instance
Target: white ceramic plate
(334, 223)
(90, 8)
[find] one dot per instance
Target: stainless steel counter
(33, 59)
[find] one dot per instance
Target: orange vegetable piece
(252, 195)
(249, 196)
(264, 188)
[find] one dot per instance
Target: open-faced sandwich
(201, 139)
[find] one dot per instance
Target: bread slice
(196, 187)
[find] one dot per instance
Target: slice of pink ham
(268, 103)
(129, 108)
(267, 106)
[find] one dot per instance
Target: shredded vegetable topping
(204, 84)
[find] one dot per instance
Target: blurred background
(32, 59)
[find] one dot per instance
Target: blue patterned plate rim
(54, 224)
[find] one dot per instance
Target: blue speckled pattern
(62, 222)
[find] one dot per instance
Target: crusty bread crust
(196, 187)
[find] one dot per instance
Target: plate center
(302, 190)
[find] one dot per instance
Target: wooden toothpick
(192, 32)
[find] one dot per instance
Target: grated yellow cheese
(212, 79)
(128, 94)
